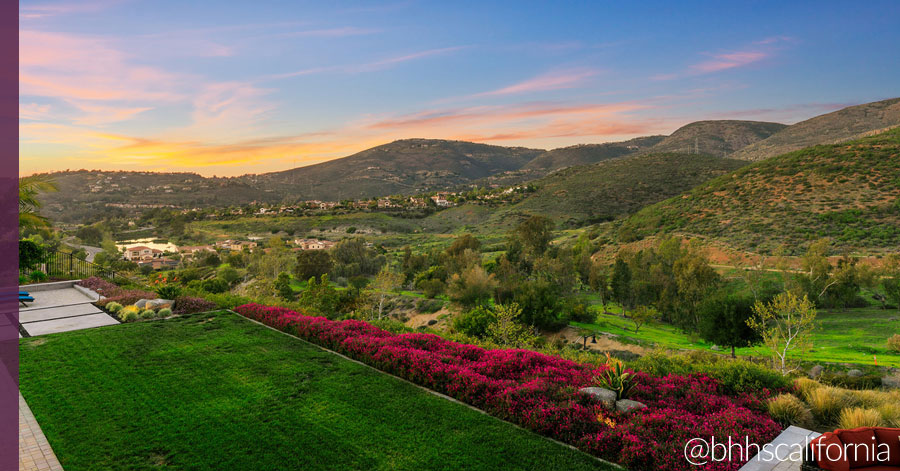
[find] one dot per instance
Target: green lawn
(842, 336)
(216, 391)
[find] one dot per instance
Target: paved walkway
(60, 307)
(784, 444)
(35, 453)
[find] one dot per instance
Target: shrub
(38, 276)
(168, 291)
(616, 378)
(787, 409)
(890, 413)
(432, 287)
(804, 385)
(148, 314)
(858, 417)
(893, 343)
(474, 322)
(164, 312)
(190, 305)
(826, 403)
(129, 313)
(214, 285)
(113, 307)
(867, 381)
(737, 376)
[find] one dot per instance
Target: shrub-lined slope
(719, 138)
(604, 191)
(832, 128)
(849, 192)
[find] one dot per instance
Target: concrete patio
(60, 307)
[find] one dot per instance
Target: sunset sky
(229, 88)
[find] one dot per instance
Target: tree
(29, 205)
(472, 287)
(283, 286)
(694, 279)
(724, 321)
(355, 257)
(540, 301)
(816, 278)
(534, 234)
(228, 274)
(641, 315)
(90, 235)
(320, 297)
(506, 330)
(890, 279)
(474, 322)
(386, 282)
(312, 263)
(30, 254)
(784, 324)
(358, 283)
(620, 282)
(598, 279)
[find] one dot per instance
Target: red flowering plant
(540, 392)
(165, 285)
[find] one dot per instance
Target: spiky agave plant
(616, 378)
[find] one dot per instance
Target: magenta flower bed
(540, 392)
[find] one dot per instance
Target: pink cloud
(550, 81)
(729, 61)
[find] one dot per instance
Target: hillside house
(236, 245)
(192, 250)
(313, 244)
(142, 253)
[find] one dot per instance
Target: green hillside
(719, 138)
(843, 125)
(848, 192)
(604, 191)
(585, 154)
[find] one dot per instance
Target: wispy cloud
(366, 67)
(43, 10)
(729, 60)
(340, 32)
(556, 80)
(756, 52)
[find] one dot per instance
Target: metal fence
(66, 266)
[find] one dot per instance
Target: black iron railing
(64, 265)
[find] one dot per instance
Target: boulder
(154, 303)
(816, 371)
(891, 382)
(432, 322)
(627, 405)
(716, 348)
(854, 373)
(605, 396)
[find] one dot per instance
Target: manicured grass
(216, 391)
(842, 336)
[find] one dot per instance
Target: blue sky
(229, 88)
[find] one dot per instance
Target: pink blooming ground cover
(540, 392)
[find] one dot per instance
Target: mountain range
(576, 185)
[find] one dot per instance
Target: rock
(607, 397)
(627, 405)
(154, 303)
(716, 348)
(891, 382)
(816, 371)
(432, 322)
(854, 373)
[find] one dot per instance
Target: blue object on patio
(25, 299)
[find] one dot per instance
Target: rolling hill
(832, 128)
(404, 166)
(848, 192)
(585, 154)
(600, 192)
(718, 138)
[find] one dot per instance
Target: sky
(233, 87)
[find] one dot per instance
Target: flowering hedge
(115, 293)
(539, 391)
